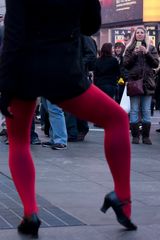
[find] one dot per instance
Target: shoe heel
(34, 234)
(30, 226)
(34, 231)
(105, 205)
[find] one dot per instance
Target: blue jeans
(140, 109)
(58, 132)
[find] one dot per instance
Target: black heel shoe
(111, 200)
(30, 226)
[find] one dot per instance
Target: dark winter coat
(123, 70)
(106, 74)
(41, 54)
(107, 71)
(142, 65)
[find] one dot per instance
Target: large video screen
(122, 11)
(151, 10)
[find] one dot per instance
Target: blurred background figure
(77, 128)
(34, 135)
(118, 54)
(157, 91)
(140, 59)
(127, 38)
(107, 71)
(57, 132)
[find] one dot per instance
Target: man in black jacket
(77, 128)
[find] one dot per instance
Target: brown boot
(145, 133)
(135, 132)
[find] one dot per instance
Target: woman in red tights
(41, 56)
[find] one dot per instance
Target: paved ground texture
(71, 185)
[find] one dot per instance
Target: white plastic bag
(125, 101)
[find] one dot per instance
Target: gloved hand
(121, 81)
(5, 100)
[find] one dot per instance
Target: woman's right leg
(95, 106)
(20, 159)
(146, 119)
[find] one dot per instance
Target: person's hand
(4, 105)
(136, 50)
(143, 49)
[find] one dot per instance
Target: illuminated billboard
(122, 11)
(151, 10)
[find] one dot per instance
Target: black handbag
(135, 88)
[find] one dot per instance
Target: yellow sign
(151, 10)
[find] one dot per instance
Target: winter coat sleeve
(152, 57)
(91, 17)
(129, 59)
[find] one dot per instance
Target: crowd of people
(43, 56)
(110, 73)
(110, 69)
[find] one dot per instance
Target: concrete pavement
(71, 185)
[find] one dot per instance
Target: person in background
(77, 128)
(118, 54)
(34, 139)
(140, 58)
(57, 132)
(107, 71)
(157, 91)
(127, 37)
(3, 131)
(41, 56)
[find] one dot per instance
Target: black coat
(106, 74)
(41, 54)
(107, 71)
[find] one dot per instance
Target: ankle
(127, 210)
(126, 206)
(30, 217)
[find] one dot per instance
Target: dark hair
(127, 35)
(119, 44)
(106, 50)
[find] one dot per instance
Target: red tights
(20, 159)
(94, 106)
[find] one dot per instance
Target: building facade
(122, 16)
